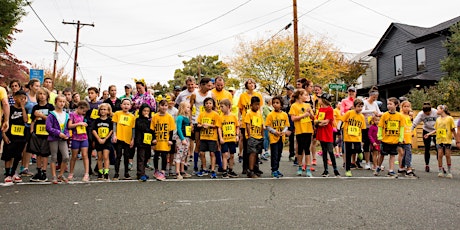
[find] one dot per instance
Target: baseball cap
(128, 86)
(231, 89)
(290, 87)
(177, 88)
(351, 88)
(326, 96)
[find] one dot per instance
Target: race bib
(94, 114)
(321, 116)
(147, 138)
(408, 121)
(393, 125)
(256, 121)
(81, 129)
(441, 133)
(102, 132)
(188, 131)
(29, 118)
(305, 120)
(228, 129)
(17, 130)
(41, 129)
(353, 131)
(206, 120)
(125, 120)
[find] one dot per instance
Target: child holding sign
(77, 123)
(143, 141)
(102, 132)
(228, 138)
(38, 144)
(123, 136)
(445, 128)
(13, 139)
(353, 123)
(209, 124)
(391, 133)
(184, 132)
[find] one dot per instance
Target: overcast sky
(145, 37)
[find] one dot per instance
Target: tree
(209, 66)
(11, 12)
(13, 68)
(160, 89)
(271, 63)
(451, 64)
(64, 80)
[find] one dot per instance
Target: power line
(174, 35)
(363, 6)
(315, 8)
(343, 28)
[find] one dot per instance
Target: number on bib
(41, 129)
(442, 133)
(353, 131)
(206, 120)
(17, 130)
(102, 132)
(193, 111)
(125, 120)
(228, 129)
(393, 125)
(94, 114)
(188, 131)
(256, 121)
(81, 129)
(147, 138)
(321, 116)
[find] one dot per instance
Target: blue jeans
(266, 140)
(275, 156)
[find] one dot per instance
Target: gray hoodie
(428, 120)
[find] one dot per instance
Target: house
(409, 56)
(369, 78)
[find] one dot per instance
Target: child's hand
(131, 144)
(114, 139)
(83, 124)
(6, 139)
(426, 136)
(154, 142)
(184, 142)
(170, 143)
(63, 136)
(222, 142)
(288, 133)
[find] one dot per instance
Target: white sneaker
(367, 166)
(17, 179)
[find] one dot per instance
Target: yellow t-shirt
(391, 125)
(211, 118)
(444, 127)
(305, 124)
(162, 125)
(353, 123)
(256, 124)
(244, 103)
(337, 117)
(219, 96)
(278, 121)
(229, 126)
(407, 121)
(125, 125)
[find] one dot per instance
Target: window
(398, 65)
(421, 60)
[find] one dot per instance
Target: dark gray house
(409, 56)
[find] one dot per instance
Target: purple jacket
(53, 128)
(373, 130)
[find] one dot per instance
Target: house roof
(415, 33)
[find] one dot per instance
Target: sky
(150, 39)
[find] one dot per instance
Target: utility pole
(199, 69)
(56, 43)
(75, 63)
(296, 44)
(100, 83)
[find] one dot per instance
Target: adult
(197, 106)
(308, 86)
(186, 93)
(428, 115)
(370, 108)
(33, 85)
(4, 110)
(143, 97)
(15, 86)
(286, 107)
(219, 93)
(347, 102)
(48, 84)
(128, 92)
(105, 95)
(177, 90)
(244, 105)
(113, 101)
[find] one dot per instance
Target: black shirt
(102, 128)
(17, 125)
(44, 109)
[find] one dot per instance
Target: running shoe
(179, 177)
(204, 172)
(85, 178)
(106, 177)
(392, 174)
(308, 173)
(275, 174)
(116, 177)
(427, 168)
(185, 175)
(159, 176)
(26, 173)
(70, 177)
(367, 166)
(130, 166)
(225, 175)
(100, 176)
(62, 178)
(410, 174)
(313, 162)
(441, 174)
(377, 171)
(54, 180)
(198, 173)
(232, 174)
(240, 159)
(402, 172)
(449, 175)
(43, 177)
(280, 174)
(299, 171)
(213, 175)
(325, 174)
(36, 177)
(143, 178)
(17, 179)
(336, 173)
(348, 173)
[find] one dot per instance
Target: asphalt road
(360, 202)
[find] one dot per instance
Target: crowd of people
(55, 129)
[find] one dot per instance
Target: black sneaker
(411, 174)
(225, 175)
(402, 172)
(116, 176)
(358, 165)
(352, 166)
(251, 174)
(36, 177)
(232, 174)
(43, 177)
(336, 173)
(240, 159)
(127, 177)
(220, 169)
(99, 176)
(106, 176)
(325, 174)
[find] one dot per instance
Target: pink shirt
(346, 104)
(77, 135)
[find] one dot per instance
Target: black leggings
(327, 147)
(164, 160)
(427, 145)
(122, 149)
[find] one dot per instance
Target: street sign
(338, 86)
(37, 73)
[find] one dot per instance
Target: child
(266, 109)
(162, 125)
(254, 130)
(390, 133)
(123, 136)
(143, 141)
(184, 132)
(277, 124)
(38, 144)
(375, 143)
(57, 127)
(353, 123)
(173, 112)
(405, 148)
(209, 124)
(324, 133)
(13, 138)
(102, 132)
(445, 128)
(228, 138)
(91, 115)
(302, 115)
(77, 123)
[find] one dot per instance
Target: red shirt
(324, 133)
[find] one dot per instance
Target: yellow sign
(353, 131)
(228, 129)
(62, 127)
(41, 129)
(393, 125)
(441, 133)
(81, 129)
(321, 116)
(102, 132)
(125, 120)
(147, 138)
(305, 120)
(188, 131)
(94, 114)
(17, 130)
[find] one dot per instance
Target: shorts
(101, 147)
(352, 147)
(389, 149)
(13, 150)
(27, 133)
(255, 145)
(79, 144)
(196, 129)
(303, 143)
(39, 145)
(228, 147)
(208, 145)
(366, 140)
(444, 146)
